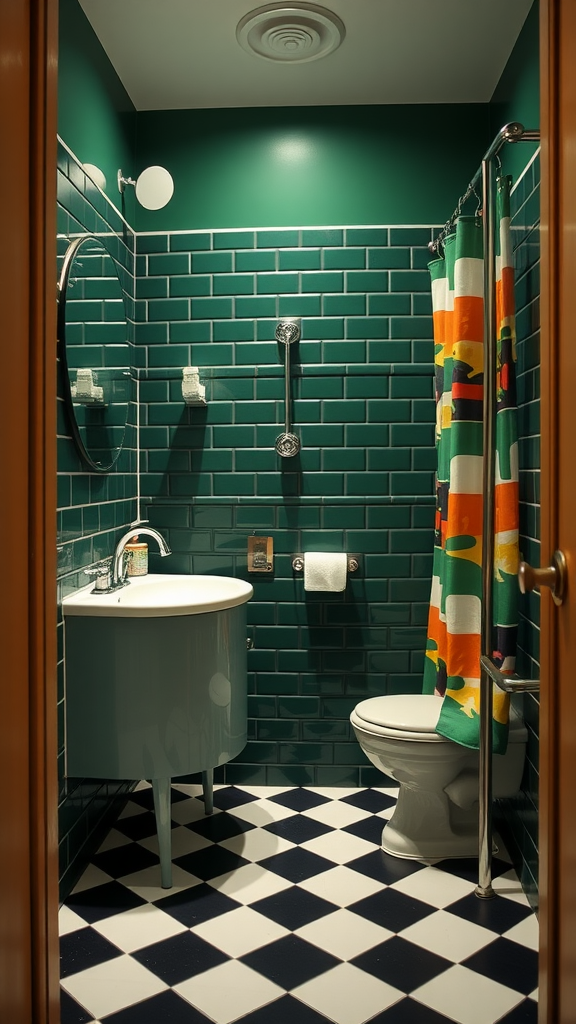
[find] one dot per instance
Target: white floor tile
(257, 844)
(68, 921)
(185, 811)
(339, 847)
(228, 992)
(184, 841)
(113, 985)
(341, 886)
(526, 932)
(431, 885)
(334, 792)
(467, 997)
(190, 790)
(265, 792)
(534, 995)
(113, 840)
(336, 814)
(130, 810)
(146, 883)
(91, 877)
(138, 927)
(263, 812)
(509, 886)
(249, 883)
(347, 995)
(386, 813)
(344, 934)
(240, 931)
(448, 935)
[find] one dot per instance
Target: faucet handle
(100, 573)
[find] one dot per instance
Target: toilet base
(427, 826)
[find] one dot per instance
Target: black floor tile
(384, 868)
(286, 1010)
(498, 914)
(290, 961)
(71, 1012)
(369, 800)
(525, 1013)
(84, 948)
(298, 828)
(145, 797)
(210, 862)
(231, 797)
(367, 828)
(299, 799)
(392, 909)
(408, 1011)
(180, 957)
(402, 964)
(137, 826)
(166, 1008)
(220, 826)
(124, 860)
(467, 867)
(293, 908)
(509, 963)
(195, 905)
(103, 900)
(297, 865)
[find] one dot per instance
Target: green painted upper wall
(267, 167)
(517, 95)
(273, 167)
(96, 118)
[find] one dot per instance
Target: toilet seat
(413, 716)
(410, 716)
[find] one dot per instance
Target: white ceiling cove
(180, 54)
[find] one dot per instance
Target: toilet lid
(409, 712)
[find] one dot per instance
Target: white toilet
(436, 815)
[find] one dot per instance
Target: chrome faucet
(118, 564)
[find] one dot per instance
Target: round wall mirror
(94, 352)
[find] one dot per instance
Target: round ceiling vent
(290, 33)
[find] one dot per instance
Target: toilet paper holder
(353, 562)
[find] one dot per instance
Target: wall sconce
(154, 187)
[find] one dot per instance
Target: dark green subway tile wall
(519, 817)
(361, 392)
(93, 508)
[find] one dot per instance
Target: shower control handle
(553, 576)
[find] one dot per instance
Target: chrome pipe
(484, 888)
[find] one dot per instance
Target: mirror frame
(63, 357)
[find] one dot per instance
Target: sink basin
(156, 683)
(161, 595)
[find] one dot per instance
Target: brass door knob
(553, 576)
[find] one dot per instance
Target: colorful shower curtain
(452, 663)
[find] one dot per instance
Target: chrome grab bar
(287, 331)
(511, 683)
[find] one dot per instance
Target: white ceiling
(179, 54)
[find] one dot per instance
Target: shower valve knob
(553, 576)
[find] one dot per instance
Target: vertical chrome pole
(484, 888)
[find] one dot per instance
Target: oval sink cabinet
(155, 677)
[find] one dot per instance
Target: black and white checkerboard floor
(285, 910)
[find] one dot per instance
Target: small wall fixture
(154, 187)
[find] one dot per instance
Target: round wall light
(154, 187)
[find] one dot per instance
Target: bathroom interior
(309, 200)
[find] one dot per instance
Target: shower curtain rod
(512, 132)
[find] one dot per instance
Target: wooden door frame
(558, 530)
(28, 692)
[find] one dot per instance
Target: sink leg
(161, 791)
(208, 789)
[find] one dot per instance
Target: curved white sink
(161, 595)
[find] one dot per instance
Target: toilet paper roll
(325, 570)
